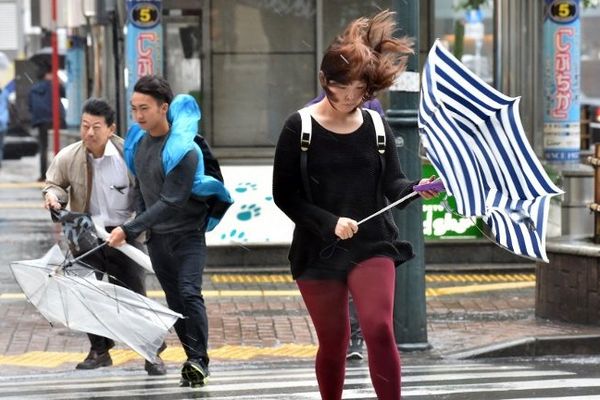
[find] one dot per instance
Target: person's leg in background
(327, 304)
(355, 351)
(371, 284)
(43, 141)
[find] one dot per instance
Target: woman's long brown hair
(367, 51)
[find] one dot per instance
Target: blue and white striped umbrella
(474, 138)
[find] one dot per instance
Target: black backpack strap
(211, 164)
(305, 137)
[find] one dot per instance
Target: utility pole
(55, 84)
(410, 317)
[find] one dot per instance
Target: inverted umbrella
(474, 138)
(68, 293)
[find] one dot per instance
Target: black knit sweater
(344, 172)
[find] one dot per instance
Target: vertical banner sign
(76, 87)
(562, 48)
(144, 45)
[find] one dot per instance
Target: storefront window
(263, 67)
(466, 28)
(182, 55)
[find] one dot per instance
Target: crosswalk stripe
(586, 397)
(299, 382)
(502, 386)
(22, 381)
(486, 375)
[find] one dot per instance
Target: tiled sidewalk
(241, 325)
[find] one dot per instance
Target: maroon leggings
(371, 284)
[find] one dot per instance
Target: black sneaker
(194, 373)
(355, 350)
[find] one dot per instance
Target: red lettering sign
(562, 73)
(145, 64)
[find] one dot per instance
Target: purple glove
(436, 186)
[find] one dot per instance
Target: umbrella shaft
(394, 204)
(88, 253)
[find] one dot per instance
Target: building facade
(250, 63)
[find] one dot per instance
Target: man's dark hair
(99, 108)
(156, 87)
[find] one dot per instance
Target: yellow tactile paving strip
(22, 185)
(255, 278)
(502, 282)
(429, 278)
(48, 359)
(446, 291)
(22, 204)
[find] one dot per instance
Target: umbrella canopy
(73, 297)
(78, 228)
(474, 138)
(43, 58)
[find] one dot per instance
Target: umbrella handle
(435, 186)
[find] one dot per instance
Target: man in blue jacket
(173, 189)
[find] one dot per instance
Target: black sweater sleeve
(175, 192)
(395, 185)
(138, 201)
(288, 192)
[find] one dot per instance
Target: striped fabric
(474, 138)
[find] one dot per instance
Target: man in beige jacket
(91, 176)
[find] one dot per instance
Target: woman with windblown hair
(347, 177)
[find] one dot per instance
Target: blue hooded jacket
(183, 116)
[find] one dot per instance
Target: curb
(535, 347)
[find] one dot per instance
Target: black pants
(121, 271)
(178, 260)
(355, 332)
(43, 143)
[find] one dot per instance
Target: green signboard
(439, 223)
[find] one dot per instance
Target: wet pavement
(258, 321)
(516, 379)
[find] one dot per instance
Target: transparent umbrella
(68, 293)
